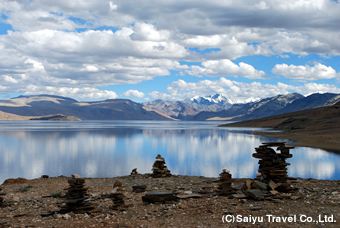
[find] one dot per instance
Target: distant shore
(326, 139)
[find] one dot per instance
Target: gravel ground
(27, 200)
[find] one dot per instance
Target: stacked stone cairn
(273, 165)
(159, 168)
(1, 199)
(117, 196)
(134, 172)
(224, 186)
(76, 196)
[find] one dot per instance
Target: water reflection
(113, 148)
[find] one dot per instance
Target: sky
(144, 50)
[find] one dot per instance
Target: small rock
(183, 206)
(75, 176)
(139, 188)
(295, 197)
(114, 190)
(239, 196)
(255, 193)
(255, 208)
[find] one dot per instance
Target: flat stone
(47, 214)
(259, 185)
(237, 186)
(295, 197)
(255, 208)
(152, 197)
(189, 196)
(272, 185)
(239, 196)
(255, 193)
(274, 192)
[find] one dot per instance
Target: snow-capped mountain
(208, 103)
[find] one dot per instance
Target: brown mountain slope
(9, 116)
(319, 127)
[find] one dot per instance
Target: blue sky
(170, 49)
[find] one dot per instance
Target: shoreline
(303, 139)
(325, 138)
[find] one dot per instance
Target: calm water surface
(30, 149)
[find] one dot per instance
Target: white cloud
(318, 71)
(238, 92)
(150, 40)
(225, 67)
(134, 94)
(85, 93)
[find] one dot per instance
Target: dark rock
(255, 208)
(139, 188)
(47, 214)
(152, 197)
(259, 185)
(255, 193)
(228, 212)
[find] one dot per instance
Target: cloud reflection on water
(107, 149)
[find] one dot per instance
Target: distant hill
(317, 127)
(174, 109)
(42, 105)
(57, 117)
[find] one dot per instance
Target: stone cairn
(134, 172)
(117, 196)
(76, 197)
(1, 199)
(273, 165)
(224, 186)
(159, 168)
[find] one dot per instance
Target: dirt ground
(29, 203)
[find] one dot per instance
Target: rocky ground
(35, 203)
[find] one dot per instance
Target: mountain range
(238, 112)
(216, 107)
(44, 105)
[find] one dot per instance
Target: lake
(30, 149)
